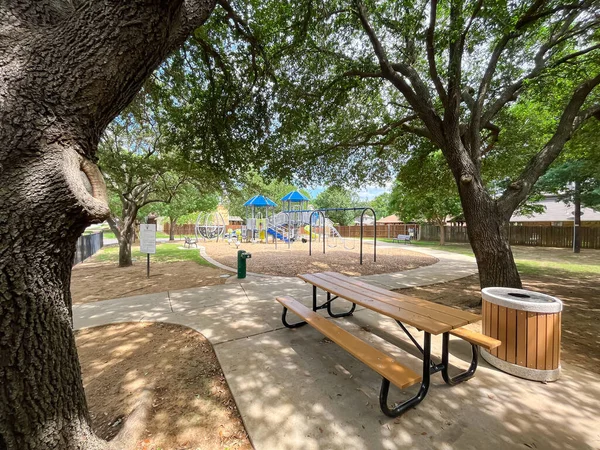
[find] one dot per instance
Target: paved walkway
(450, 266)
(295, 390)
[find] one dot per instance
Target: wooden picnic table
(426, 316)
(421, 314)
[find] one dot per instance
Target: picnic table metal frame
(429, 367)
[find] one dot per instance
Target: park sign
(148, 238)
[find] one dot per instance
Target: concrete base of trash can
(520, 371)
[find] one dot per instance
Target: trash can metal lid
(522, 300)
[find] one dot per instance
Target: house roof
(294, 197)
(260, 201)
(390, 219)
(557, 211)
(235, 219)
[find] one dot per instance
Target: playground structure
(299, 222)
(210, 225)
(255, 223)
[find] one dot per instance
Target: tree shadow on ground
(191, 403)
(580, 317)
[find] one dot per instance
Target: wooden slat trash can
(529, 326)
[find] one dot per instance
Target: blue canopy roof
(260, 201)
(294, 196)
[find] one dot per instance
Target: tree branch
(512, 92)
(433, 73)
(361, 74)
(419, 103)
(570, 120)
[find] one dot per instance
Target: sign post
(148, 242)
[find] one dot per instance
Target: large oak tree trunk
(490, 244)
(44, 209)
(66, 70)
(492, 250)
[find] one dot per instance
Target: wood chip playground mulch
(290, 262)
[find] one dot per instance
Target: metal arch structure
(210, 225)
(362, 216)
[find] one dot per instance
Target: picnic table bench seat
(475, 338)
(381, 363)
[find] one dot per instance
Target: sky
(365, 193)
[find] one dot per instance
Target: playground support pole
(310, 234)
(310, 221)
(362, 216)
(323, 233)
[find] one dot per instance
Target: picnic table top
(422, 314)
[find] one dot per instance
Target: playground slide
(282, 219)
(277, 235)
(314, 235)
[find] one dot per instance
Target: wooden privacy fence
(189, 229)
(383, 231)
(87, 245)
(537, 236)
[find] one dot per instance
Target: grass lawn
(536, 260)
(165, 252)
(110, 235)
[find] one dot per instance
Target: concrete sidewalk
(450, 266)
(296, 390)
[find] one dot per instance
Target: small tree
(425, 191)
(381, 205)
(338, 197)
(575, 178)
(140, 169)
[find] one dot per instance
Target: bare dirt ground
(580, 317)
(291, 262)
(192, 407)
(92, 281)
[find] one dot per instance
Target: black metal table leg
(334, 315)
(414, 401)
(445, 357)
(290, 325)
(314, 298)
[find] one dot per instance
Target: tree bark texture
(127, 233)
(441, 226)
(485, 225)
(577, 219)
(67, 68)
(172, 229)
